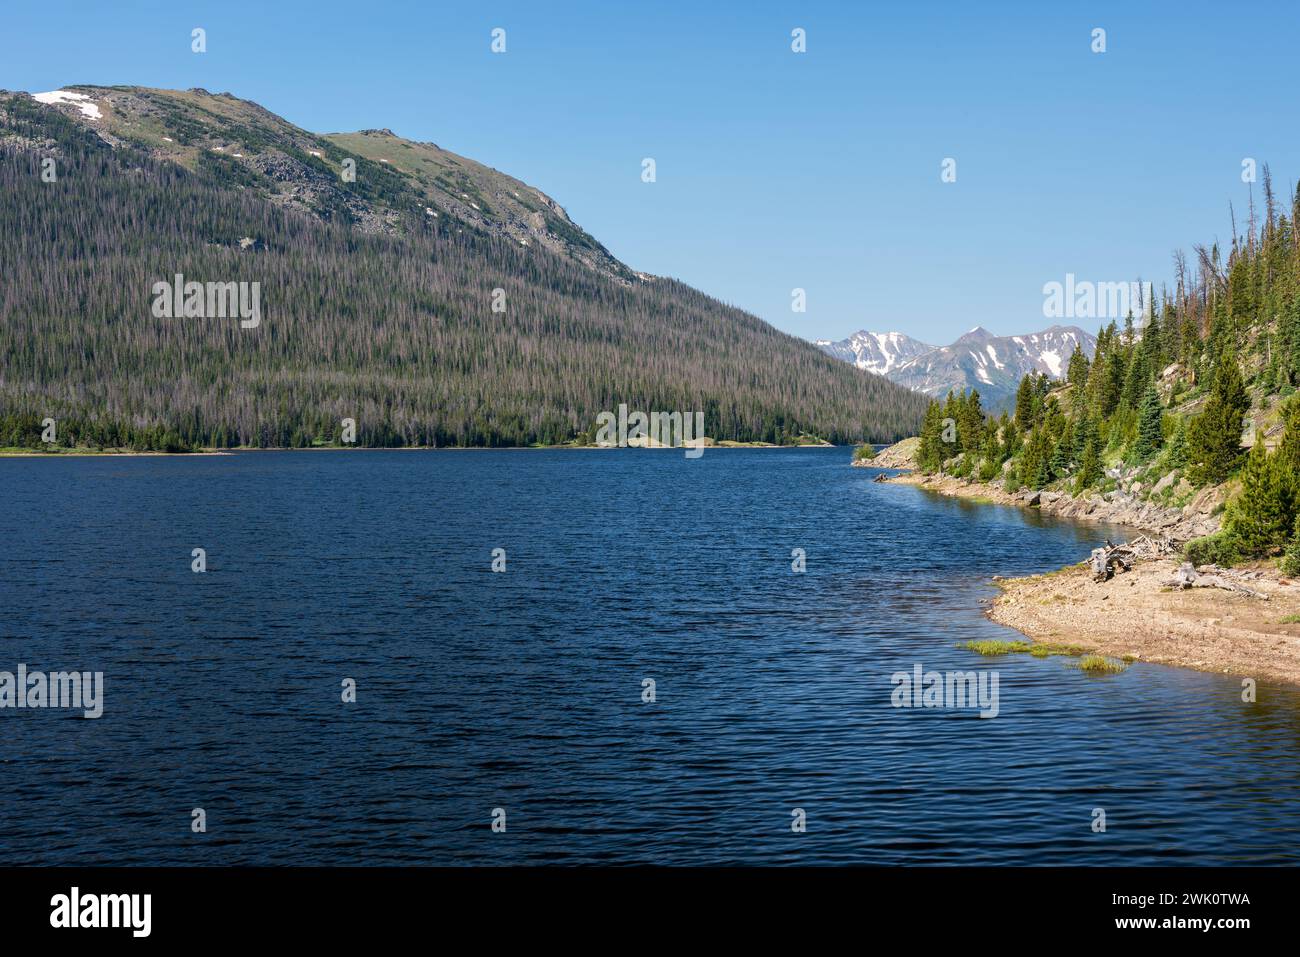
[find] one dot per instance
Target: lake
(522, 689)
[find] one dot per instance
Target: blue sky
(776, 170)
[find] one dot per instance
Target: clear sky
(776, 170)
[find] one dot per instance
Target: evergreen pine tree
(1025, 404)
(1077, 372)
(1288, 461)
(1214, 437)
(970, 423)
(929, 454)
(1178, 446)
(1090, 458)
(1150, 434)
(1256, 520)
(1060, 461)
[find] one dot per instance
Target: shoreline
(80, 452)
(1136, 615)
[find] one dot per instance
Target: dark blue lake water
(522, 690)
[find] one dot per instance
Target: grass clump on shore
(864, 452)
(1290, 620)
(1099, 665)
(991, 647)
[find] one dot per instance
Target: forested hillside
(376, 299)
(1201, 398)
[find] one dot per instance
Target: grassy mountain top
(253, 147)
(474, 193)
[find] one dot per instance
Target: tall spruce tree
(1090, 469)
(1291, 560)
(1214, 437)
(929, 453)
(1150, 432)
(1257, 519)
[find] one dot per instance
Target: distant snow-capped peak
(977, 360)
(878, 352)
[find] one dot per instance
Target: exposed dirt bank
(1136, 614)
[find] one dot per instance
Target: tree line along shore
(1185, 425)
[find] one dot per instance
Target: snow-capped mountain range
(994, 365)
(878, 352)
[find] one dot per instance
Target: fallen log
(1188, 577)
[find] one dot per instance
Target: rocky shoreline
(1122, 506)
(1137, 615)
(1193, 520)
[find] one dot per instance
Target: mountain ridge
(878, 352)
(306, 168)
(979, 359)
(379, 296)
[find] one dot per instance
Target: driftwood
(1120, 558)
(1188, 577)
(1106, 561)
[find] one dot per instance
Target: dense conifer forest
(392, 329)
(1201, 394)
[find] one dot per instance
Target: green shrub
(1291, 560)
(1217, 549)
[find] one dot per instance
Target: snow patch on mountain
(82, 102)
